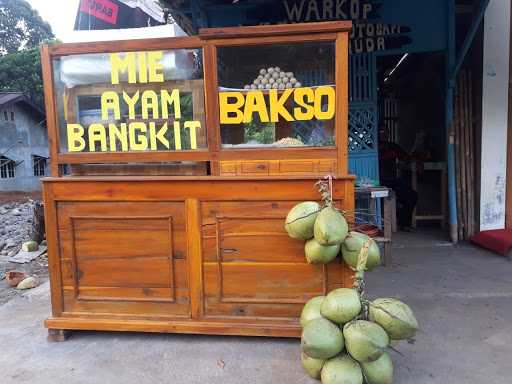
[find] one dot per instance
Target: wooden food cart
(172, 172)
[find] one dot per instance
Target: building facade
(23, 143)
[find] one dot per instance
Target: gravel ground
(15, 225)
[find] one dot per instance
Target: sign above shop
(383, 26)
(367, 34)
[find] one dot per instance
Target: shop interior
(412, 138)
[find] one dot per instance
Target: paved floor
(461, 295)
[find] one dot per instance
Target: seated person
(389, 156)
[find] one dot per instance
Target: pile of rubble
(23, 261)
(15, 226)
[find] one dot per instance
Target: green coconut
(341, 370)
(330, 228)
(322, 339)
(317, 253)
(313, 367)
(365, 341)
(395, 317)
(379, 371)
(341, 305)
(352, 246)
(300, 221)
(311, 310)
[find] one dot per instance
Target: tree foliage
(21, 32)
(21, 27)
(21, 72)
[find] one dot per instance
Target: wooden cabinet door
(252, 269)
(124, 259)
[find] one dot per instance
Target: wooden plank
(272, 283)
(269, 31)
(137, 157)
(212, 105)
(278, 153)
(341, 78)
(459, 159)
(267, 328)
(126, 45)
(388, 231)
(471, 158)
(146, 271)
(54, 265)
(179, 268)
(126, 307)
(194, 250)
(262, 40)
(51, 120)
(153, 294)
(168, 169)
(123, 243)
(464, 164)
(138, 189)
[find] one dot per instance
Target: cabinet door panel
(132, 254)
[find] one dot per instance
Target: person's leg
(409, 201)
(407, 198)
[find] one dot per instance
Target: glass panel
(280, 95)
(137, 101)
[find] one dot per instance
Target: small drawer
(228, 167)
(258, 167)
(326, 166)
(296, 166)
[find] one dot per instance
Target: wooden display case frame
(196, 241)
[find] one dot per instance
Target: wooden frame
(208, 40)
(191, 254)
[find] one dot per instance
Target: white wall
(495, 115)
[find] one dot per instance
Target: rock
(2, 245)
(30, 246)
(28, 283)
(13, 278)
(43, 243)
(16, 212)
(12, 253)
(10, 243)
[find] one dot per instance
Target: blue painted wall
(390, 26)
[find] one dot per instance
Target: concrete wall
(26, 136)
(495, 115)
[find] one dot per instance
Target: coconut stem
(359, 282)
(324, 187)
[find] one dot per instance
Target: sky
(60, 14)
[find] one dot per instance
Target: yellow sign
(311, 103)
(149, 127)
(143, 135)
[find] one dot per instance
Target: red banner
(101, 9)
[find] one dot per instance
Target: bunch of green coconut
(345, 337)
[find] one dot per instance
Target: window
(113, 109)
(6, 116)
(39, 164)
(277, 95)
(12, 116)
(6, 168)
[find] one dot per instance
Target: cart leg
(387, 254)
(58, 335)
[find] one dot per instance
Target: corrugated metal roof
(8, 98)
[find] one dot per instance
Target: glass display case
(173, 165)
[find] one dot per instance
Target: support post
(449, 94)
